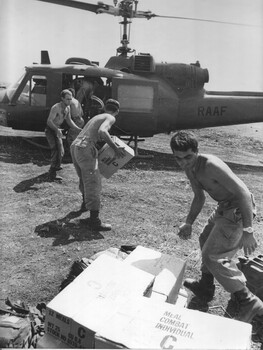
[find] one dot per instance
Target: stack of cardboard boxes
(135, 303)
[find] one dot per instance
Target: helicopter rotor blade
(150, 15)
(115, 11)
(100, 8)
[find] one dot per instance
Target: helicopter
(154, 97)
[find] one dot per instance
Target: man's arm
(185, 230)
(196, 205)
(70, 122)
(104, 135)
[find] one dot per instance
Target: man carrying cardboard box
(84, 152)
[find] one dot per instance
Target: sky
(232, 54)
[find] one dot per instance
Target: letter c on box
(168, 341)
(81, 332)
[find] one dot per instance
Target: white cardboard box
(107, 164)
(50, 342)
(74, 315)
(169, 271)
(143, 324)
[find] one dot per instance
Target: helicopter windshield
(32, 91)
(13, 87)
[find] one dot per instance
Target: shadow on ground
(67, 230)
(27, 185)
(19, 151)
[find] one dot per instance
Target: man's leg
(78, 171)
(224, 241)
(55, 148)
(88, 162)
(204, 288)
(218, 251)
(60, 152)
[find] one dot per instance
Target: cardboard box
(169, 271)
(50, 342)
(75, 313)
(181, 301)
(142, 324)
(107, 164)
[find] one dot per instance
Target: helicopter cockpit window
(33, 93)
(136, 98)
(38, 91)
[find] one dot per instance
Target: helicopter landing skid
(137, 155)
(35, 143)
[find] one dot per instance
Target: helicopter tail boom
(216, 109)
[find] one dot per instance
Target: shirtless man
(59, 113)
(77, 117)
(84, 153)
(228, 229)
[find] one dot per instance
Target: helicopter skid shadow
(66, 232)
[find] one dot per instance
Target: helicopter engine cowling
(137, 64)
(183, 76)
(80, 60)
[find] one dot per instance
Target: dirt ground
(43, 233)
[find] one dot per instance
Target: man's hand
(249, 243)
(120, 152)
(185, 231)
(59, 133)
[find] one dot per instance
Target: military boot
(204, 289)
(52, 175)
(97, 225)
(95, 222)
(249, 305)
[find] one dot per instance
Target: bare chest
(215, 189)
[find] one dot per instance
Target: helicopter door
(138, 106)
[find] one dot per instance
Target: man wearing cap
(84, 152)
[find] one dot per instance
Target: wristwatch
(248, 229)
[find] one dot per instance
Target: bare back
(91, 129)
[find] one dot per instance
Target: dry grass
(42, 232)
